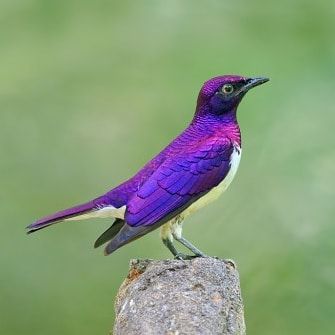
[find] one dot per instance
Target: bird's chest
(218, 190)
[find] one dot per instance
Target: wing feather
(179, 181)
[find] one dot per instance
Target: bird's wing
(179, 181)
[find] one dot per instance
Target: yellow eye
(227, 88)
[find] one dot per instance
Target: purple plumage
(189, 168)
(61, 215)
(182, 177)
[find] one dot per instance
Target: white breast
(218, 190)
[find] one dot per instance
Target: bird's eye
(227, 88)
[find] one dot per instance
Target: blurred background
(90, 90)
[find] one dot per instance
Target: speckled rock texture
(176, 297)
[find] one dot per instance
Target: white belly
(218, 190)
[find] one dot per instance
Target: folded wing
(175, 185)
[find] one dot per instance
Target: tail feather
(109, 233)
(126, 235)
(62, 215)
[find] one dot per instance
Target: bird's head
(221, 95)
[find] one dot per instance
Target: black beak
(253, 82)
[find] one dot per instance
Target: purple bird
(192, 171)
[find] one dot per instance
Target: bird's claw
(181, 256)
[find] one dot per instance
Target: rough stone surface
(176, 297)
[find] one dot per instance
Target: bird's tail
(82, 211)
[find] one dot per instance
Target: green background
(90, 90)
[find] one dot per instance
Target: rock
(180, 297)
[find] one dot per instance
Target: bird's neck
(225, 125)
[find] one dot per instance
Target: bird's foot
(182, 256)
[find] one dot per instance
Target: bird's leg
(169, 244)
(167, 238)
(176, 230)
(178, 255)
(189, 246)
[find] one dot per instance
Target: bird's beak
(253, 82)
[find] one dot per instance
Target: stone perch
(180, 297)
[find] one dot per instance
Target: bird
(189, 173)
